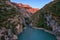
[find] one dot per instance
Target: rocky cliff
(12, 16)
(48, 17)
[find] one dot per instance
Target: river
(35, 34)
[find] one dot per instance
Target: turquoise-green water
(35, 34)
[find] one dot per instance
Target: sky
(33, 3)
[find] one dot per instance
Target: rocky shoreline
(44, 30)
(57, 37)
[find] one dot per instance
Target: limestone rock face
(48, 17)
(12, 16)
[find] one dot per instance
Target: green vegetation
(5, 14)
(8, 12)
(52, 8)
(41, 20)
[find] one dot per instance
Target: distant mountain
(28, 8)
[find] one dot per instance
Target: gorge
(20, 20)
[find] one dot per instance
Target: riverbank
(44, 30)
(57, 37)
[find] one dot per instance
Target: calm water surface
(35, 34)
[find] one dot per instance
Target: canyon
(13, 16)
